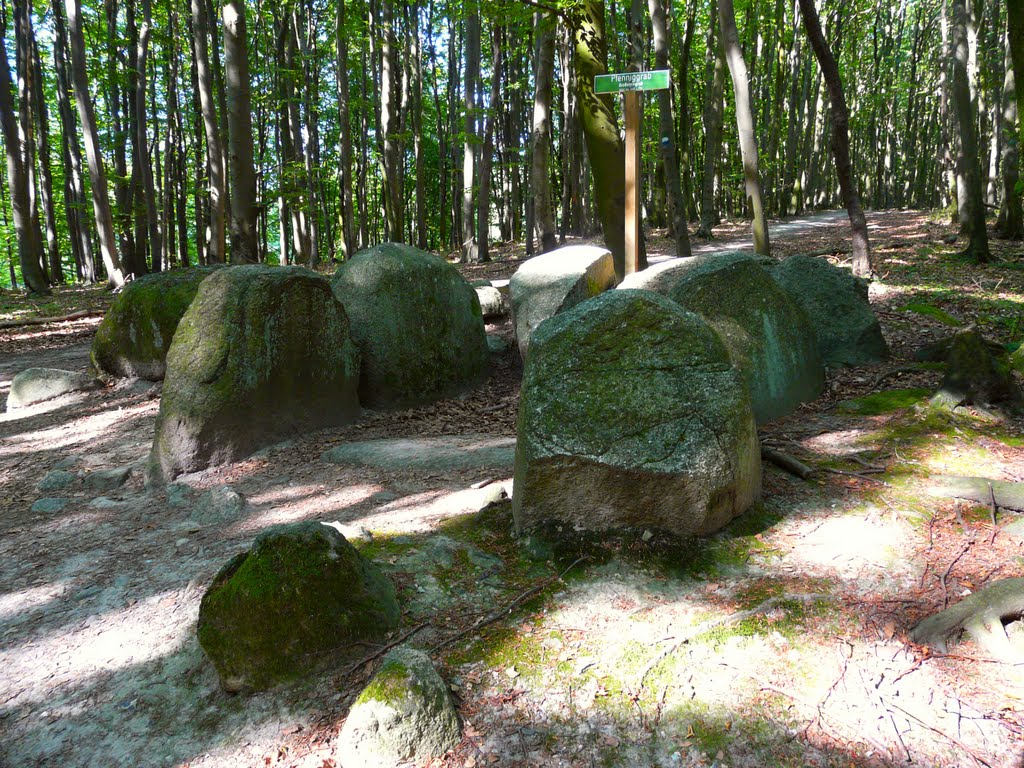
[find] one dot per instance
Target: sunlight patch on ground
(84, 432)
(423, 511)
(842, 442)
(959, 459)
(290, 494)
(99, 644)
(13, 603)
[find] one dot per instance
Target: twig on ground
(873, 691)
(786, 462)
(952, 739)
(506, 610)
(942, 580)
(992, 512)
(384, 649)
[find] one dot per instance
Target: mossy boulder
(555, 281)
(403, 716)
(417, 323)
(769, 337)
(300, 596)
(663, 276)
(975, 376)
(632, 415)
(135, 334)
(837, 303)
(261, 355)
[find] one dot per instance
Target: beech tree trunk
(83, 100)
(1010, 215)
(840, 138)
(713, 119)
(744, 123)
(214, 149)
(30, 247)
(966, 117)
(483, 217)
(540, 136)
(244, 244)
(472, 76)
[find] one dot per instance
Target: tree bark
(540, 136)
(714, 76)
(40, 111)
(145, 163)
(605, 150)
(216, 249)
(469, 155)
(744, 123)
(483, 217)
(840, 138)
(966, 116)
(1015, 40)
(666, 142)
(1010, 215)
(345, 137)
(390, 76)
(30, 247)
(100, 196)
(244, 245)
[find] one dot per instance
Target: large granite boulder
(632, 415)
(34, 385)
(555, 281)
(262, 354)
(403, 716)
(417, 323)
(663, 276)
(136, 332)
(769, 337)
(301, 595)
(837, 304)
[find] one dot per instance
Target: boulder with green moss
(631, 415)
(261, 355)
(976, 376)
(417, 323)
(403, 716)
(837, 303)
(770, 339)
(555, 281)
(136, 332)
(300, 597)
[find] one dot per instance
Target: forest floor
(781, 641)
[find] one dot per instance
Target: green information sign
(656, 80)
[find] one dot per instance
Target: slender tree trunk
(30, 247)
(469, 156)
(1012, 221)
(244, 246)
(100, 198)
(40, 110)
(713, 119)
(540, 136)
(345, 127)
(483, 217)
(390, 76)
(966, 116)
(1015, 40)
(840, 138)
(146, 166)
(666, 143)
(744, 123)
(216, 250)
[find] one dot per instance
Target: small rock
(57, 480)
(404, 714)
(49, 505)
(497, 343)
(38, 384)
(492, 304)
(68, 462)
(1015, 528)
(382, 497)
(107, 479)
(218, 505)
(352, 532)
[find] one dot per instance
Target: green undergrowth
(932, 312)
(884, 402)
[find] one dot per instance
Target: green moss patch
(887, 401)
(932, 312)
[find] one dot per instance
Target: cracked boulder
(632, 416)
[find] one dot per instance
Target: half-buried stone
(632, 415)
(837, 303)
(298, 598)
(417, 323)
(770, 339)
(136, 331)
(262, 354)
(34, 385)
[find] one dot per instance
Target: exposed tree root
(982, 615)
(786, 462)
(981, 490)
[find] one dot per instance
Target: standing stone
(136, 332)
(35, 385)
(261, 355)
(417, 323)
(404, 715)
(555, 281)
(837, 304)
(770, 339)
(631, 415)
(300, 596)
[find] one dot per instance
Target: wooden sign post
(630, 84)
